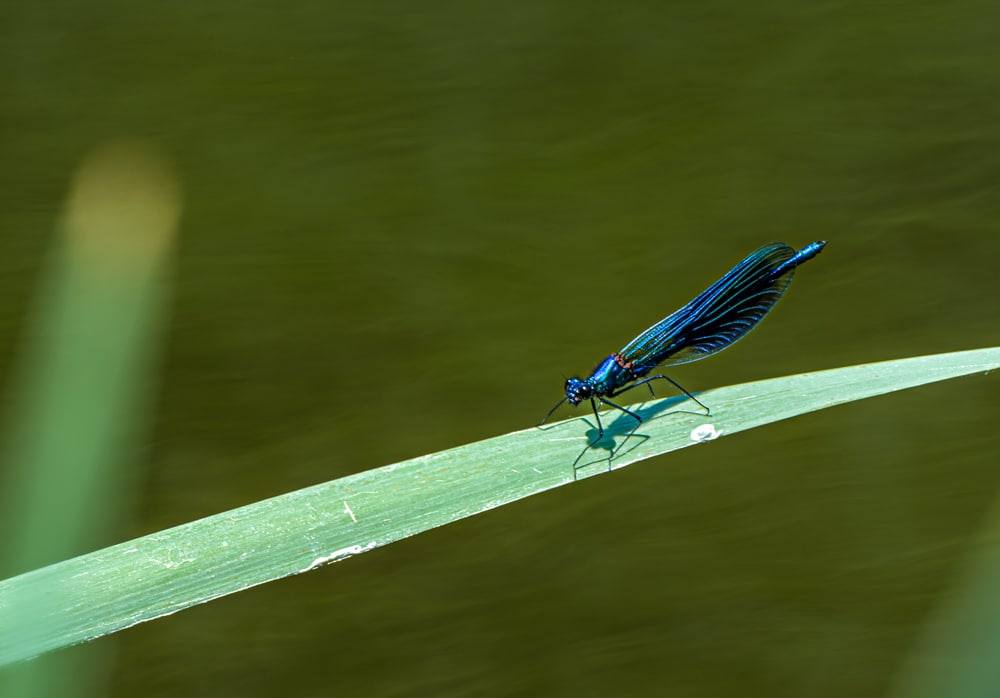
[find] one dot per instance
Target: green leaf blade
(111, 589)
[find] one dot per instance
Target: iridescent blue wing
(720, 315)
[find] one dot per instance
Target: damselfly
(719, 316)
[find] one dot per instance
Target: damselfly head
(578, 390)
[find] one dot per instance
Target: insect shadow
(625, 425)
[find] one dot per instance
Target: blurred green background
(405, 223)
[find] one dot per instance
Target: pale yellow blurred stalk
(80, 397)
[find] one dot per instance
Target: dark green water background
(406, 222)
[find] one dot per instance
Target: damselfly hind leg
(646, 381)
